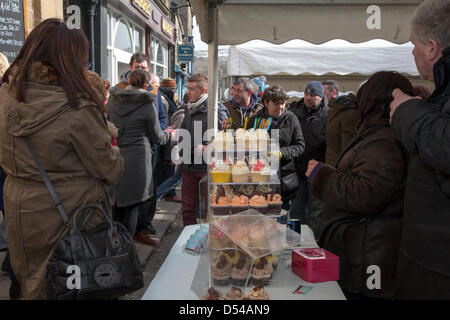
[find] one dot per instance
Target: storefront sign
(167, 28)
(143, 6)
(156, 16)
(185, 52)
(12, 29)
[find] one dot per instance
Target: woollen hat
(168, 83)
(316, 88)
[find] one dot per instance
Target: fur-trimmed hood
(45, 100)
(128, 100)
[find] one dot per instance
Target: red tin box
(315, 264)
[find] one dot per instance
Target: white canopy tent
(340, 57)
(316, 21)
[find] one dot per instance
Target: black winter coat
(424, 128)
(292, 144)
(313, 126)
(201, 116)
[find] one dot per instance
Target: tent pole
(213, 70)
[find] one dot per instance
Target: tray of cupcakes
(230, 200)
(243, 171)
(243, 255)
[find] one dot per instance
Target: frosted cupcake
(220, 171)
(251, 138)
(257, 236)
(222, 207)
(241, 141)
(258, 293)
(239, 204)
(224, 141)
(260, 172)
(240, 271)
(221, 272)
(240, 172)
(262, 271)
(275, 203)
(234, 294)
(263, 139)
(217, 238)
(213, 294)
(240, 235)
(259, 203)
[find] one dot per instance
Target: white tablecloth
(175, 277)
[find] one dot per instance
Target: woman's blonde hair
(4, 64)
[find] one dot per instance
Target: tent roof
(316, 21)
(298, 57)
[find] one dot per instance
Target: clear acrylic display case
(244, 250)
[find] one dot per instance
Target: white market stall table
(174, 279)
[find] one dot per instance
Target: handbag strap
(48, 184)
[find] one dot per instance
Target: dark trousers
(190, 196)
(306, 208)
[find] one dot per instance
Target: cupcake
(232, 255)
(212, 294)
(217, 238)
(239, 234)
(262, 271)
(221, 272)
(234, 294)
(251, 140)
(260, 172)
(241, 139)
(222, 207)
(239, 172)
(239, 204)
(259, 203)
(258, 293)
(223, 141)
(263, 139)
(240, 271)
(220, 172)
(247, 190)
(257, 236)
(272, 259)
(275, 203)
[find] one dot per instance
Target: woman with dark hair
(291, 140)
(363, 195)
(133, 113)
(45, 96)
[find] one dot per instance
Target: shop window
(160, 56)
(123, 37)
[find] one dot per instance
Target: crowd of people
(368, 172)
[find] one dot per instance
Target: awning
(298, 57)
(231, 22)
(315, 21)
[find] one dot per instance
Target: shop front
(136, 26)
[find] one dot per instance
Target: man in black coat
(424, 127)
(312, 113)
(195, 168)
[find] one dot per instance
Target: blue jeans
(168, 186)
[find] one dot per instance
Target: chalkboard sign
(12, 29)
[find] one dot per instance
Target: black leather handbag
(99, 263)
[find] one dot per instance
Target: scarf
(193, 107)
